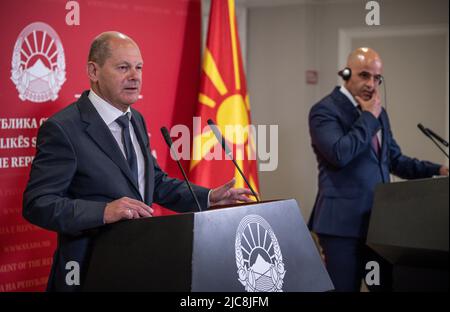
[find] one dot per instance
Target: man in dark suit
(355, 150)
(93, 164)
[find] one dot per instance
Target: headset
(346, 73)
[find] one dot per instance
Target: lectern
(252, 247)
(409, 228)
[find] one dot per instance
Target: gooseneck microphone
(228, 152)
(431, 135)
(437, 137)
(422, 128)
(169, 142)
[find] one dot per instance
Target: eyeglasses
(368, 76)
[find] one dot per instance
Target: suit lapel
(351, 113)
(101, 135)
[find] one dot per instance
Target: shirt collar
(348, 95)
(108, 112)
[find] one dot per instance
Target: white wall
(279, 51)
(282, 43)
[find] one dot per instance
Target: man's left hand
(226, 194)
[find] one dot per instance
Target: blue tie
(124, 122)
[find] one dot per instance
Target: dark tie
(124, 122)
(376, 145)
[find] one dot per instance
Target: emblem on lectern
(258, 256)
(38, 63)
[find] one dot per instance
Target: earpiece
(346, 73)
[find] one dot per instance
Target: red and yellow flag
(223, 98)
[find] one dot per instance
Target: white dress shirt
(109, 115)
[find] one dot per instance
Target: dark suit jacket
(348, 166)
(77, 170)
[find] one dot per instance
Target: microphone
(427, 132)
(437, 137)
(423, 129)
(228, 152)
(169, 142)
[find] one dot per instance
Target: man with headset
(355, 150)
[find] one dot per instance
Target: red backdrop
(168, 33)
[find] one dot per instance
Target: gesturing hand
(225, 194)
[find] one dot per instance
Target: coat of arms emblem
(38, 64)
(258, 256)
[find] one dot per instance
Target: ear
(92, 70)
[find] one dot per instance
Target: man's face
(119, 79)
(366, 77)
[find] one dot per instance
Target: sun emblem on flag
(225, 98)
(258, 256)
(38, 64)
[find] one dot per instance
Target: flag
(223, 98)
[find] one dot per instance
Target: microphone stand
(169, 142)
(428, 134)
(228, 152)
(437, 144)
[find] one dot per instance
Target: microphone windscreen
(422, 128)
